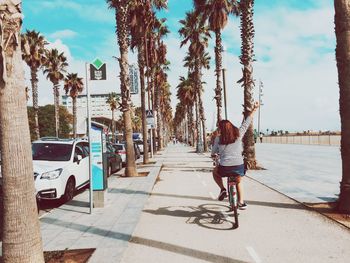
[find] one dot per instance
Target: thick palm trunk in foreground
(21, 232)
(247, 57)
(121, 9)
(342, 30)
(218, 64)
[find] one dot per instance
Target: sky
(294, 51)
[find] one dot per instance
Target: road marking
(253, 254)
(212, 195)
(204, 183)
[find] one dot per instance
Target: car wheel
(109, 173)
(70, 189)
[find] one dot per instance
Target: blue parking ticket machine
(99, 177)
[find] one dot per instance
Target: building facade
(99, 107)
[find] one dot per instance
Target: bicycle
(232, 180)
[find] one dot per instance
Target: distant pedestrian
(229, 148)
(174, 140)
(261, 137)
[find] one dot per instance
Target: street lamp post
(261, 85)
(224, 86)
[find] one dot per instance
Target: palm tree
(141, 18)
(186, 94)
(342, 15)
(122, 8)
(74, 86)
(161, 65)
(217, 11)
(54, 67)
(113, 101)
(33, 51)
(247, 58)
(137, 21)
(21, 241)
(195, 32)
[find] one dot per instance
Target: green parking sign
(98, 70)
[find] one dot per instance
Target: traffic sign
(149, 114)
(150, 121)
(98, 70)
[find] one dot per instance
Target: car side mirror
(78, 158)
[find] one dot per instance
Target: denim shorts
(224, 171)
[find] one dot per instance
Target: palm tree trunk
(141, 63)
(198, 143)
(247, 56)
(342, 30)
(122, 32)
(74, 117)
(218, 64)
(113, 127)
(34, 82)
(21, 240)
(56, 93)
(202, 115)
(153, 101)
(159, 117)
(191, 124)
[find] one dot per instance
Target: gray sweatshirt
(231, 154)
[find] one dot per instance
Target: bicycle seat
(234, 177)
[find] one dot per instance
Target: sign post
(150, 125)
(97, 72)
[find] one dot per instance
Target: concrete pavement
(307, 173)
(183, 222)
(108, 229)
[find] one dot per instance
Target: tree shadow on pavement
(194, 253)
(204, 198)
(212, 216)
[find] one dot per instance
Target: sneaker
(242, 206)
(222, 194)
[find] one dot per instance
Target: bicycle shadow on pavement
(212, 216)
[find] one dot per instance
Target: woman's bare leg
(240, 191)
(217, 178)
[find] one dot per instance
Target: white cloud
(66, 33)
(296, 62)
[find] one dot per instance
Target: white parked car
(120, 148)
(61, 166)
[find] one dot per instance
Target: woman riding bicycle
(229, 148)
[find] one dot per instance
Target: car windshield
(118, 147)
(51, 151)
(135, 136)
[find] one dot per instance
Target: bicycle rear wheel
(233, 201)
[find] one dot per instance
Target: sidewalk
(108, 229)
(184, 222)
